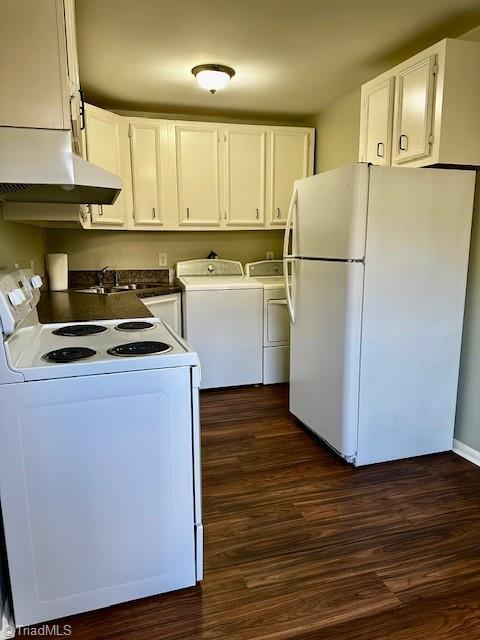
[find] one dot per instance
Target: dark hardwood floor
(300, 545)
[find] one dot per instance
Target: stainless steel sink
(121, 288)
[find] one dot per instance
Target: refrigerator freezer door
(329, 219)
(325, 350)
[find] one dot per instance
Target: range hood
(38, 165)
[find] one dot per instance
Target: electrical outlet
(162, 259)
(269, 255)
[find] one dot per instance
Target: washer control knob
(210, 268)
(16, 297)
(36, 282)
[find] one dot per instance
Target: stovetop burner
(144, 348)
(68, 354)
(74, 330)
(134, 326)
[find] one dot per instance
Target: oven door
(97, 490)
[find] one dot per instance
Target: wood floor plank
(298, 544)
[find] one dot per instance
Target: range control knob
(16, 297)
(210, 268)
(36, 282)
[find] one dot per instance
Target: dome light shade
(213, 77)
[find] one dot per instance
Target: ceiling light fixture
(213, 77)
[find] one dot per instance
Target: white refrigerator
(378, 258)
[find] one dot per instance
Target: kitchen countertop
(71, 306)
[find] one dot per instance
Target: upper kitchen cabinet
(238, 176)
(106, 138)
(245, 158)
(197, 174)
(41, 71)
(376, 122)
(435, 113)
(149, 158)
(291, 158)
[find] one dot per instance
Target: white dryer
(222, 317)
(276, 322)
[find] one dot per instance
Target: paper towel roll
(57, 267)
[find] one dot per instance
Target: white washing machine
(276, 323)
(223, 319)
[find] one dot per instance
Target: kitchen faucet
(101, 275)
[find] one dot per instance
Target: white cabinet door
(33, 65)
(103, 133)
(167, 308)
(197, 163)
(376, 126)
(414, 110)
(147, 172)
(290, 150)
(245, 176)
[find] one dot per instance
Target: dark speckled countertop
(70, 306)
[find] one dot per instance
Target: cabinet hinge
(225, 138)
(431, 139)
(84, 211)
(129, 132)
(435, 69)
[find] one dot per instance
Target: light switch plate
(269, 255)
(162, 259)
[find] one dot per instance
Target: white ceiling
(292, 57)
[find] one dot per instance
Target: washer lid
(209, 283)
(272, 282)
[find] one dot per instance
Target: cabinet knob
(380, 150)
(403, 142)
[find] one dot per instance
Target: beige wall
(139, 250)
(21, 243)
(467, 428)
(337, 133)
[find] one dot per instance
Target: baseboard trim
(463, 450)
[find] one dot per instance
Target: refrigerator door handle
(288, 294)
(289, 226)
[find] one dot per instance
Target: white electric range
(99, 458)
